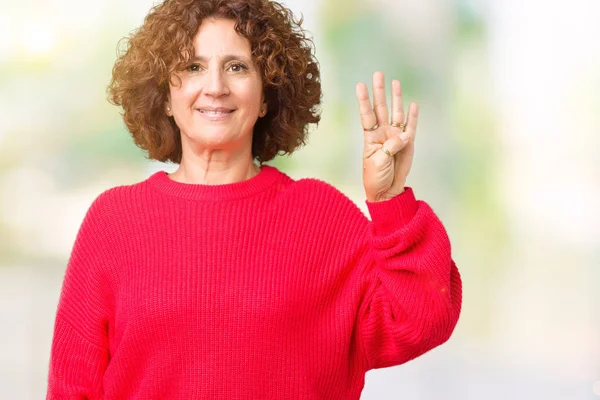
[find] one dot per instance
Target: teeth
(214, 112)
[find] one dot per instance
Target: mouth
(215, 112)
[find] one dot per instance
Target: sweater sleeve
(79, 353)
(413, 291)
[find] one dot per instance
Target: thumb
(394, 144)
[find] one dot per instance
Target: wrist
(384, 197)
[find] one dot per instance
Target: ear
(168, 109)
(263, 109)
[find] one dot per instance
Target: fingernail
(404, 136)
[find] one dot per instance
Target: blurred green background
(508, 155)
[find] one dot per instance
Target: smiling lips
(215, 110)
(215, 113)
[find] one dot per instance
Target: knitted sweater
(270, 288)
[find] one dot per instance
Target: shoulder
(116, 201)
(327, 197)
(110, 199)
(320, 188)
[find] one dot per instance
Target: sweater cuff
(393, 214)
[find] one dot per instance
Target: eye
(237, 67)
(194, 67)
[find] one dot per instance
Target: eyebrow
(225, 58)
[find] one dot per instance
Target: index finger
(367, 116)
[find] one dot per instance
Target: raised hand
(389, 145)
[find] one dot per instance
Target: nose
(215, 83)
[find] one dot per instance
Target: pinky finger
(411, 122)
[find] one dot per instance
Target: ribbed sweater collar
(266, 178)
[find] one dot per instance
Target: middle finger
(379, 101)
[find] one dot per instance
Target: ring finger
(397, 106)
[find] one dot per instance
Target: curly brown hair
(163, 45)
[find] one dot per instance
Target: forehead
(218, 36)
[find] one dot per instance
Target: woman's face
(221, 95)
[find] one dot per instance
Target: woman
(227, 279)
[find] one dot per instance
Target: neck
(215, 168)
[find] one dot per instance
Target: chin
(213, 137)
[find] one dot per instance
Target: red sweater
(269, 288)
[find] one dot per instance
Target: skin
(217, 149)
(384, 176)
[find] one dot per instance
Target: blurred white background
(508, 155)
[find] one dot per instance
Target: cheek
(175, 97)
(248, 90)
(184, 94)
(253, 98)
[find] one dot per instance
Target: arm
(412, 292)
(79, 354)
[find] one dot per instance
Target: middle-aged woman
(227, 279)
